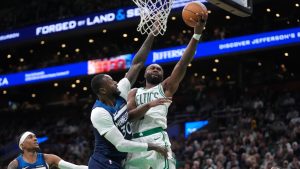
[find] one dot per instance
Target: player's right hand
(161, 150)
(160, 101)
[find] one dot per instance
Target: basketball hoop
(154, 15)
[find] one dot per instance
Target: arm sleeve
(66, 165)
(124, 87)
(116, 138)
(101, 120)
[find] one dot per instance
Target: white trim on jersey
(120, 112)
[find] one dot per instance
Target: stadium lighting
(8, 56)
(286, 54)
(203, 77)
(259, 63)
(277, 15)
(296, 4)
(125, 35)
(77, 81)
(91, 40)
(84, 88)
(42, 42)
(33, 95)
(136, 39)
(214, 69)
(73, 85)
(55, 84)
(63, 45)
(268, 10)
(217, 61)
(173, 18)
(4, 92)
(21, 59)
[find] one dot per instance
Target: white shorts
(147, 159)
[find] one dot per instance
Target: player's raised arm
(171, 83)
(139, 59)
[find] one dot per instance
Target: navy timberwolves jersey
(39, 164)
(119, 115)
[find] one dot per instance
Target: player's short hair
(97, 82)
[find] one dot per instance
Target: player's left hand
(200, 23)
(161, 150)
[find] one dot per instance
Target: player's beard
(154, 79)
(117, 93)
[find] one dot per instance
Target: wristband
(197, 36)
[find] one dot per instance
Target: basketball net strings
(154, 15)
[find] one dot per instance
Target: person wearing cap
(31, 159)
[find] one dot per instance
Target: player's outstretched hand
(200, 23)
(161, 150)
(160, 101)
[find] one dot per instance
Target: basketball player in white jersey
(32, 159)
(150, 122)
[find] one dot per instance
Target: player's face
(111, 86)
(30, 143)
(154, 74)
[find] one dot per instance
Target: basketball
(191, 10)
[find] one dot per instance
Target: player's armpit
(13, 165)
(52, 159)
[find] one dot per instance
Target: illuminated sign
(106, 65)
(190, 127)
(52, 73)
(74, 23)
(232, 45)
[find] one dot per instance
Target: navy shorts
(101, 162)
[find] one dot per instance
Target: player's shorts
(102, 162)
(147, 159)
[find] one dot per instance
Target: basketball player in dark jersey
(31, 159)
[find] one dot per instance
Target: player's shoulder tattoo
(13, 165)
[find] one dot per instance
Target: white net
(154, 16)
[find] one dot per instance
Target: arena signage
(191, 127)
(232, 45)
(75, 23)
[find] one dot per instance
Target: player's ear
(102, 91)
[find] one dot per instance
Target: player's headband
(23, 137)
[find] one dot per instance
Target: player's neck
(110, 101)
(149, 85)
(30, 156)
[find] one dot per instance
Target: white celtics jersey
(155, 116)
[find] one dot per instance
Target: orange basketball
(190, 11)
